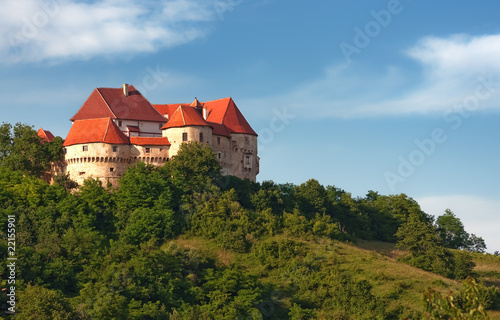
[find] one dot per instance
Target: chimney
(125, 89)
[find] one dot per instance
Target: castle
(117, 127)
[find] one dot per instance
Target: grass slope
(399, 284)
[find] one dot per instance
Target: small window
(119, 123)
(219, 154)
(247, 160)
(111, 169)
(147, 150)
(115, 148)
(184, 136)
(85, 148)
(218, 141)
(81, 173)
(159, 126)
(247, 141)
(201, 136)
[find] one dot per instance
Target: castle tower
(96, 148)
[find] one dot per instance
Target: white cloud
(459, 55)
(53, 30)
(479, 215)
(451, 68)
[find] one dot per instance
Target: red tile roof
(150, 141)
(112, 103)
(196, 103)
(226, 112)
(95, 130)
(219, 129)
(45, 135)
(222, 111)
(169, 109)
(185, 116)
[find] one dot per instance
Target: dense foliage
(96, 253)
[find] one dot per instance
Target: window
(201, 136)
(218, 141)
(111, 169)
(219, 154)
(119, 123)
(246, 140)
(247, 160)
(160, 125)
(85, 148)
(147, 150)
(81, 173)
(115, 148)
(184, 136)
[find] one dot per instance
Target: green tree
(451, 230)
(454, 236)
(420, 238)
(37, 302)
(197, 165)
(22, 149)
(311, 198)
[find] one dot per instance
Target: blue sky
(393, 96)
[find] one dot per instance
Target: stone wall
(244, 159)
(222, 148)
(104, 161)
(193, 134)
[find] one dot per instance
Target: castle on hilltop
(117, 127)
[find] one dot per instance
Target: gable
(113, 103)
(95, 130)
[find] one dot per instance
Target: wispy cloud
(479, 215)
(34, 30)
(451, 69)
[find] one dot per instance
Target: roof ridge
(227, 108)
(106, 103)
(106, 133)
(182, 114)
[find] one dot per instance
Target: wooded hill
(183, 242)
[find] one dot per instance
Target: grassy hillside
(397, 284)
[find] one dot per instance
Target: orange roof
(226, 112)
(219, 129)
(185, 116)
(112, 103)
(45, 135)
(222, 111)
(169, 109)
(196, 103)
(150, 141)
(95, 130)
